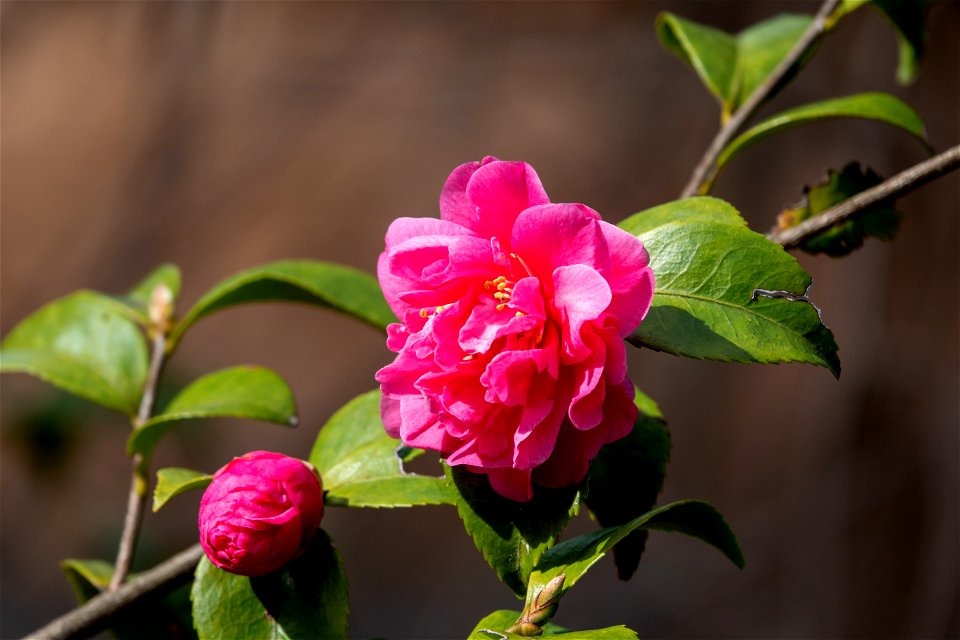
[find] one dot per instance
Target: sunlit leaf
(881, 107)
(238, 392)
(362, 466)
(325, 284)
(85, 343)
(493, 627)
(305, 600)
(733, 66)
(709, 269)
(172, 481)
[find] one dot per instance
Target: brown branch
(706, 167)
(95, 614)
(900, 184)
(160, 310)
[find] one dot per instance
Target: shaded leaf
(708, 266)
(84, 343)
(172, 481)
(325, 284)
(871, 106)
(732, 67)
(880, 220)
(362, 466)
(512, 536)
(908, 20)
(146, 620)
(305, 599)
(575, 556)
(493, 627)
(238, 392)
(625, 479)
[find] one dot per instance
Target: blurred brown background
(220, 136)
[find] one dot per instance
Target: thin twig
(95, 614)
(900, 184)
(139, 482)
(809, 38)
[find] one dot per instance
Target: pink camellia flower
(259, 512)
(513, 311)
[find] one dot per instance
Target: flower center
(503, 290)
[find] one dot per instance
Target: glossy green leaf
(86, 344)
(879, 221)
(733, 66)
(493, 627)
(152, 620)
(512, 536)
(238, 392)
(709, 267)
(712, 53)
(325, 284)
(870, 106)
(761, 48)
(575, 556)
(307, 599)
(625, 479)
(362, 466)
(172, 481)
(138, 298)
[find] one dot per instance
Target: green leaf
(625, 479)
(761, 48)
(361, 465)
(880, 220)
(574, 557)
(306, 599)
(493, 627)
(732, 67)
(87, 577)
(712, 53)
(143, 621)
(84, 343)
(138, 298)
(325, 284)
(238, 392)
(708, 266)
(172, 481)
(870, 106)
(511, 535)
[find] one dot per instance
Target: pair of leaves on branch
(95, 346)
(733, 67)
(878, 221)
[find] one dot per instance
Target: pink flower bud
(259, 512)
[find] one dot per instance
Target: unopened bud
(160, 307)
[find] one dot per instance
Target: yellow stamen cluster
(503, 292)
(425, 313)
